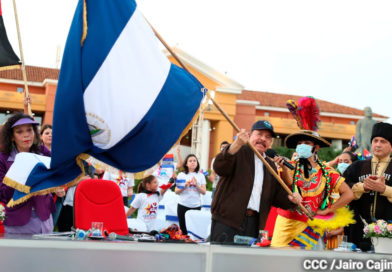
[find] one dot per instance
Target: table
(24, 254)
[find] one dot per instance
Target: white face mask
(342, 167)
(304, 151)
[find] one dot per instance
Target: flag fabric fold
(119, 99)
(8, 58)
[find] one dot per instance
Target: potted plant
(380, 233)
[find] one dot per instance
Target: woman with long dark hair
(190, 184)
(20, 134)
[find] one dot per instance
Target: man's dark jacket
(235, 187)
(357, 172)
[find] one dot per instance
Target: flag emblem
(99, 130)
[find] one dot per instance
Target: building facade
(42, 84)
(338, 122)
(243, 106)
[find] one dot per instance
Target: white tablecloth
(206, 201)
(198, 223)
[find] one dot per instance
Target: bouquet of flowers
(379, 229)
(2, 213)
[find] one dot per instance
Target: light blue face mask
(304, 151)
(342, 167)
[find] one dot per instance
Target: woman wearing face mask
(342, 162)
(345, 160)
(312, 182)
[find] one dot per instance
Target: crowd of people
(244, 190)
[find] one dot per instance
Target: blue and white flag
(180, 183)
(119, 99)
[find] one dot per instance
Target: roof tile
(33, 74)
(279, 100)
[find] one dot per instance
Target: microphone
(115, 236)
(272, 154)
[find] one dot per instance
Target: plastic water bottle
(347, 246)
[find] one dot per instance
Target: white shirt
(147, 206)
(124, 181)
(215, 182)
(190, 197)
(69, 197)
(254, 201)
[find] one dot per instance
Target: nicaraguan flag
(180, 183)
(168, 158)
(353, 143)
(118, 99)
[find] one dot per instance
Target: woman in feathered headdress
(313, 183)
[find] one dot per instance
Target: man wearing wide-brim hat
(313, 182)
(372, 185)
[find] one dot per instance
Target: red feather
(309, 113)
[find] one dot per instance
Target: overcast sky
(336, 50)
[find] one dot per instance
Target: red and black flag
(8, 58)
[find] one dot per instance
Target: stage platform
(27, 254)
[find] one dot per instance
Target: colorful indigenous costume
(315, 185)
(315, 190)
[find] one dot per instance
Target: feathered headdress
(306, 112)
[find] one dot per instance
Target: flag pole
(234, 125)
(168, 48)
(26, 100)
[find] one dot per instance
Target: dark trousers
(355, 234)
(125, 200)
(59, 206)
(65, 221)
(224, 234)
(181, 210)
